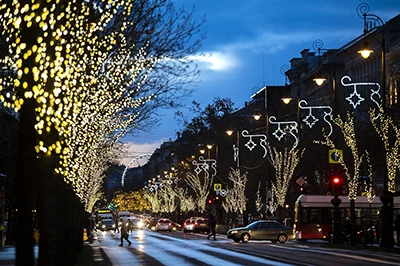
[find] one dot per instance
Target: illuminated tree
(385, 127)
(186, 201)
(201, 187)
(154, 200)
(133, 201)
(235, 200)
(284, 164)
(96, 71)
(259, 203)
(167, 196)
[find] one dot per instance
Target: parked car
(201, 225)
(164, 224)
(188, 225)
(262, 230)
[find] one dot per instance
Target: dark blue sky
(249, 40)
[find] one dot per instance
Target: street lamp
(286, 99)
(371, 22)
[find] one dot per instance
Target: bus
(313, 214)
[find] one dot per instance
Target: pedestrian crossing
(152, 248)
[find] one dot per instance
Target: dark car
(201, 225)
(262, 230)
(107, 225)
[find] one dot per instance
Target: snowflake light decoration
(355, 98)
(250, 144)
(290, 126)
(136, 159)
(311, 120)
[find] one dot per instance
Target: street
(178, 248)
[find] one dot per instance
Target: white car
(164, 224)
(188, 225)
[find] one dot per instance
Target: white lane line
(344, 255)
(120, 256)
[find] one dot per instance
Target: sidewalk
(90, 255)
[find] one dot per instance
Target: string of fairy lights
(82, 78)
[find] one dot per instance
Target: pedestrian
(212, 223)
(130, 226)
(116, 230)
(397, 227)
(124, 232)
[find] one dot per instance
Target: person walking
(397, 227)
(116, 230)
(124, 233)
(212, 223)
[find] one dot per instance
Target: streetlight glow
(365, 52)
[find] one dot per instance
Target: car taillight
(184, 223)
(196, 223)
(169, 224)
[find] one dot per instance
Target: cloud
(139, 153)
(216, 61)
(273, 43)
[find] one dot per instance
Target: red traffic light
(336, 180)
(209, 201)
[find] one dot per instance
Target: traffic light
(337, 184)
(209, 202)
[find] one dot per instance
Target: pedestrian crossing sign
(335, 156)
(217, 186)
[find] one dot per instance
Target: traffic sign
(335, 156)
(217, 186)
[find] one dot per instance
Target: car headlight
(234, 232)
(114, 225)
(140, 224)
(104, 226)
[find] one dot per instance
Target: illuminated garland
(347, 129)
(82, 78)
(186, 202)
(235, 199)
(369, 188)
(284, 164)
(259, 204)
(153, 199)
(201, 187)
(383, 126)
(272, 204)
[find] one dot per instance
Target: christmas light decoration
(272, 204)
(250, 144)
(347, 129)
(201, 186)
(355, 98)
(384, 127)
(369, 187)
(311, 120)
(290, 126)
(235, 200)
(284, 164)
(204, 166)
(186, 202)
(236, 155)
(136, 159)
(259, 204)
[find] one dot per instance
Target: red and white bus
(313, 214)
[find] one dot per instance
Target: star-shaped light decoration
(290, 126)
(251, 144)
(310, 119)
(355, 98)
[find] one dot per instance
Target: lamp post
(371, 22)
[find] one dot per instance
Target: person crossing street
(124, 233)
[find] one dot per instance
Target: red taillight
(196, 223)
(169, 224)
(184, 223)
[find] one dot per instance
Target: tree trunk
(26, 159)
(353, 222)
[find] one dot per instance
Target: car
(176, 226)
(164, 224)
(107, 225)
(262, 230)
(188, 225)
(137, 224)
(201, 225)
(151, 224)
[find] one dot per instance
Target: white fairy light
(314, 120)
(357, 97)
(250, 144)
(279, 133)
